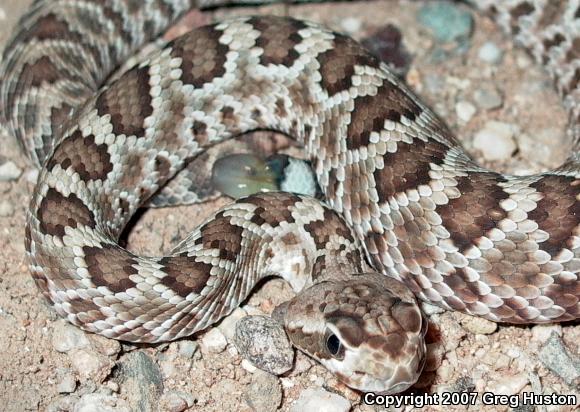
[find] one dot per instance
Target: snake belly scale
(401, 193)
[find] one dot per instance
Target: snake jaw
(365, 331)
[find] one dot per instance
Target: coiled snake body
(401, 192)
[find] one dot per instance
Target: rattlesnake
(401, 193)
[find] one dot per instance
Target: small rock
(262, 340)
(90, 364)
(464, 110)
(490, 53)
(429, 309)
(488, 98)
(105, 346)
(213, 341)
(67, 384)
(351, 25)
(321, 401)
(228, 324)
(188, 348)
(478, 325)
(175, 401)
(248, 366)
(31, 176)
(447, 21)
(95, 402)
(542, 333)
(6, 209)
(264, 393)
(66, 337)
(63, 403)
(495, 141)
(9, 171)
(556, 357)
(141, 380)
(508, 385)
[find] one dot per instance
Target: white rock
(228, 325)
(321, 401)
(490, 53)
(31, 176)
(464, 110)
(541, 333)
(213, 341)
(95, 402)
(6, 209)
(9, 171)
(351, 24)
(508, 385)
(248, 366)
(495, 141)
(67, 384)
(89, 364)
(66, 337)
(478, 326)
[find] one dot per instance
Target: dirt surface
(37, 373)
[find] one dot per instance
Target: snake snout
(364, 331)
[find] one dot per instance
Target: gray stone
(556, 357)
(6, 208)
(447, 21)
(488, 98)
(490, 53)
(66, 337)
(141, 380)
(321, 401)
(67, 384)
(264, 393)
(176, 401)
(95, 402)
(213, 341)
(188, 348)
(9, 171)
(263, 341)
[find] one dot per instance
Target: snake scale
(401, 193)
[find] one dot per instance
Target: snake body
(401, 193)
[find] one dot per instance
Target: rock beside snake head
(369, 331)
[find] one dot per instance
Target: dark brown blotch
(56, 212)
(272, 210)
(128, 102)
(408, 167)
(337, 63)
(221, 234)
(370, 113)
(558, 212)
(278, 39)
(322, 230)
(110, 266)
(476, 211)
(202, 55)
(185, 275)
(90, 160)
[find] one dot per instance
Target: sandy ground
(37, 373)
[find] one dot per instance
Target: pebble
(103, 345)
(263, 341)
(188, 348)
(488, 98)
(228, 324)
(141, 380)
(213, 341)
(66, 337)
(351, 25)
(447, 21)
(556, 357)
(508, 385)
(95, 402)
(248, 366)
(490, 53)
(495, 141)
(31, 176)
(320, 400)
(478, 325)
(90, 365)
(175, 401)
(9, 171)
(264, 392)
(67, 384)
(6, 208)
(542, 333)
(465, 110)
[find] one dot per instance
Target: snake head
(368, 331)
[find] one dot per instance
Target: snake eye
(334, 346)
